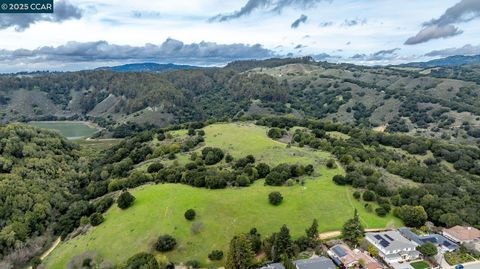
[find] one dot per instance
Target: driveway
(404, 265)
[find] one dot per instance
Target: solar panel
(384, 243)
(446, 243)
(388, 236)
(378, 237)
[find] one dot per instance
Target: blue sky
(85, 34)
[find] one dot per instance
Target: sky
(84, 34)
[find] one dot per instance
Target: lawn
(159, 209)
(420, 265)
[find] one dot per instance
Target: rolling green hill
(223, 213)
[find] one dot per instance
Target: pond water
(70, 129)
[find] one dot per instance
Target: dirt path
(48, 251)
(333, 234)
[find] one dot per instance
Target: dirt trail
(48, 251)
(332, 234)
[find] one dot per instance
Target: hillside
(456, 60)
(158, 209)
(39, 180)
(146, 67)
(434, 102)
(225, 171)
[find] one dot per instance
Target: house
(461, 234)
(393, 247)
(441, 242)
(343, 256)
(274, 266)
(313, 263)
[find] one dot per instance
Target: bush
(190, 214)
(428, 249)
(96, 219)
(369, 196)
(275, 198)
(212, 155)
(193, 264)
(381, 212)
(357, 195)
(125, 200)
(103, 204)
(165, 243)
(155, 167)
(215, 255)
(142, 260)
(331, 164)
(275, 133)
(263, 169)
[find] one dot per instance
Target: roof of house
(463, 233)
(348, 257)
(274, 266)
(315, 263)
(390, 241)
(436, 239)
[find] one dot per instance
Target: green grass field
(159, 209)
(69, 129)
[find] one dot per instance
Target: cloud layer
(170, 51)
(443, 27)
(270, 5)
(465, 50)
(63, 11)
(299, 21)
(377, 56)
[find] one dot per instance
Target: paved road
(471, 265)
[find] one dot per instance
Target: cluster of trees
(447, 196)
(280, 174)
(279, 246)
(41, 178)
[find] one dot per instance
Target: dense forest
(440, 103)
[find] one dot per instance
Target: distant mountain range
(147, 67)
(456, 60)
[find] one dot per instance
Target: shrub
(155, 167)
(193, 264)
(275, 133)
(165, 243)
(428, 249)
(331, 164)
(142, 260)
(275, 198)
(368, 196)
(103, 204)
(125, 200)
(357, 195)
(215, 255)
(212, 155)
(190, 214)
(263, 169)
(381, 212)
(96, 219)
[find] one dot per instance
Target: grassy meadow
(159, 209)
